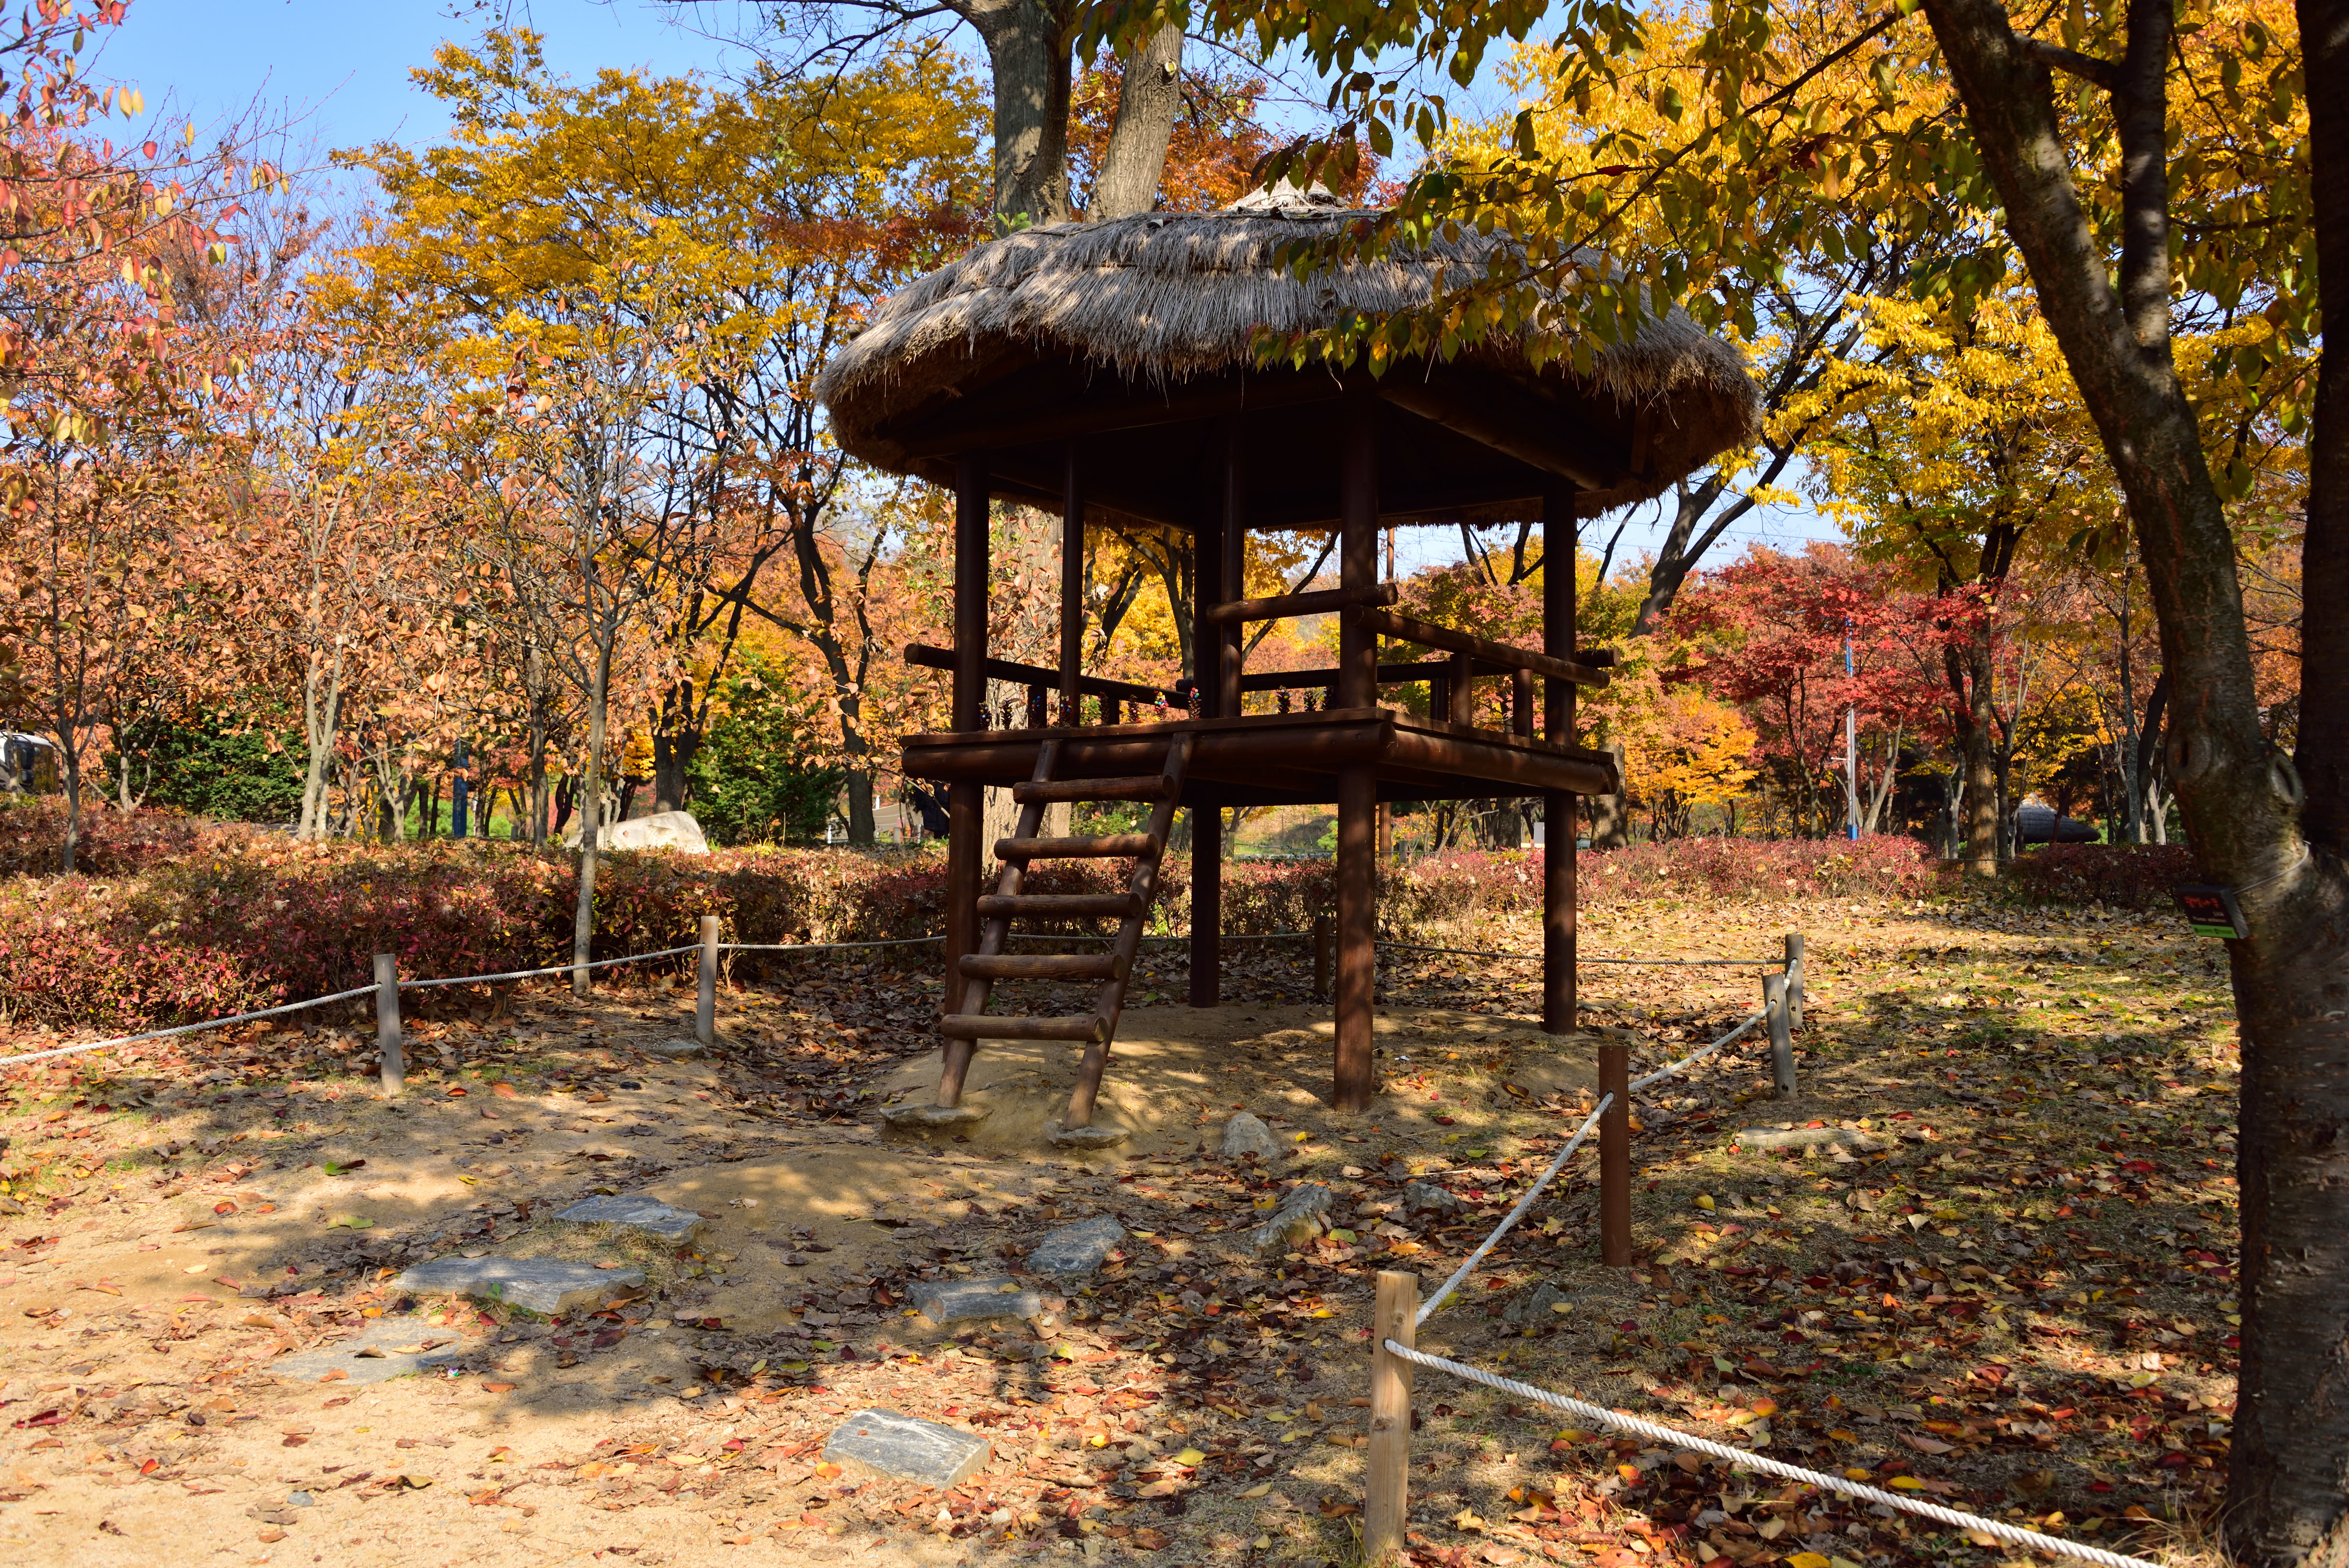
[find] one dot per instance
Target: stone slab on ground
(954, 1300)
(1245, 1135)
(541, 1285)
(674, 1050)
(1294, 1220)
(1076, 1251)
(883, 1442)
(1538, 1305)
(1807, 1138)
(1090, 1137)
(934, 1117)
(648, 1215)
(386, 1349)
(1426, 1197)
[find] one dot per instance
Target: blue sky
(338, 72)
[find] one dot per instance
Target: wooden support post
(1386, 829)
(1615, 1158)
(391, 1060)
(704, 1001)
(1795, 978)
(1463, 682)
(1386, 1481)
(1356, 1078)
(1206, 906)
(1560, 868)
(1072, 587)
(1521, 703)
(964, 851)
(1323, 957)
(1782, 1038)
(1232, 570)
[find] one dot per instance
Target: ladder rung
(1039, 966)
(988, 1026)
(1140, 786)
(1059, 907)
(1106, 846)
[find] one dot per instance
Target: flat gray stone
(1294, 1220)
(934, 1117)
(1245, 1135)
(374, 1354)
(883, 1442)
(1427, 1198)
(1060, 1136)
(1533, 1307)
(542, 1284)
(648, 1215)
(1076, 1251)
(951, 1301)
(675, 1050)
(1806, 1137)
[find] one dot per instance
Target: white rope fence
(1514, 1215)
(186, 1028)
(1632, 1425)
(1639, 962)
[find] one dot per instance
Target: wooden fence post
(392, 1062)
(705, 1005)
(1386, 1500)
(1782, 1039)
(1321, 945)
(1795, 976)
(1615, 1158)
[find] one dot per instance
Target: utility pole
(1850, 745)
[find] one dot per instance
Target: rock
(384, 1349)
(1060, 1136)
(1806, 1137)
(1533, 1306)
(1076, 1251)
(952, 1301)
(1245, 1135)
(661, 830)
(649, 1216)
(1427, 1198)
(934, 1118)
(1294, 1220)
(541, 1285)
(883, 1442)
(675, 1050)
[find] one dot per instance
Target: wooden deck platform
(1285, 758)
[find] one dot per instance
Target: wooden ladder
(977, 972)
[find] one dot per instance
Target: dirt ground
(2020, 1301)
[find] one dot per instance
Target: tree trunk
(322, 706)
(1610, 814)
(1029, 49)
(676, 741)
(536, 675)
(2287, 1505)
(1966, 668)
(1135, 158)
(591, 804)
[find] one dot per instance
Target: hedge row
(216, 920)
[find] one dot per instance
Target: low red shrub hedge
(2127, 876)
(221, 920)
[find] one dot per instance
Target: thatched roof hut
(1114, 331)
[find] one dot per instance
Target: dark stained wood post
(1358, 787)
(1072, 587)
(1233, 635)
(963, 852)
(1558, 806)
(1210, 647)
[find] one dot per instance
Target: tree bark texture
(1135, 158)
(591, 812)
(1028, 47)
(2289, 1475)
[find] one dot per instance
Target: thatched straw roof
(1166, 301)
